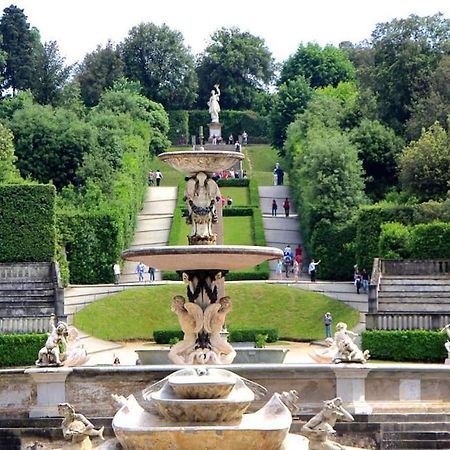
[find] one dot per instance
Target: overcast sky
(80, 25)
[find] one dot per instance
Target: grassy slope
(260, 161)
(136, 313)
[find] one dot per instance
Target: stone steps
(27, 310)
(31, 294)
(415, 287)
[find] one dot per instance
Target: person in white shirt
(312, 270)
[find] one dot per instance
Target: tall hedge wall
(179, 125)
(27, 223)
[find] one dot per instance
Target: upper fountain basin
(202, 257)
(207, 161)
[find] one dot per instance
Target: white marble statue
(213, 322)
(76, 355)
(447, 344)
(190, 317)
(347, 350)
(51, 355)
(201, 196)
(326, 356)
(213, 104)
(77, 429)
(320, 427)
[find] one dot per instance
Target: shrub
(27, 223)
(233, 182)
(253, 193)
(261, 340)
(20, 349)
(179, 125)
(237, 211)
(431, 240)
(394, 240)
(166, 336)
(250, 335)
(405, 345)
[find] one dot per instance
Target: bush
(394, 241)
(166, 336)
(405, 345)
(253, 193)
(431, 240)
(233, 182)
(27, 223)
(20, 349)
(179, 126)
(249, 335)
(237, 211)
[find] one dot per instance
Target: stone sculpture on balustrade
(347, 350)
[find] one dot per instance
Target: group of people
(242, 138)
(154, 177)
(141, 270)
(286, 206)
(360, 280)
(291, 263)
(229, 174)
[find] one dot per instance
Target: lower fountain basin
(209, 410)
(266, 429)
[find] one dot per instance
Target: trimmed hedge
(395, 241)
(20, 349)
(179, 125)
(233, 182)
(405, 345)
(249, 335)
(27, 223)
(238, 335)
(238, 211)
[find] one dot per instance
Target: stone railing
(21, 325)
(396, 321)
(426, 267)
(374, 286)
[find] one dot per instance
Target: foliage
(290, 100)
(430, 240)
(20, 349)
(178, 126)
(405, 345)
(333, 244)
(8, 171)
(157, 57)
(425, 165)
(251, 335)
(406, 52)
(378, 148)
(98, 71)
(27, 223)
(394, 242)
(298, 313)
(261, 340)
(233, 182)
(50, 143)
(19, 44)
(320, 66)
(240, 62)
(50, 74)
(9, 105)
(167, 336)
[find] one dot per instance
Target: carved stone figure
(201, 195)
(347, 350)
(447, 344)
(190, 317)
(76, 428)
(320, 427)
(51, 355)
(213, 321)
(326, 356)
(75, 355)
(291, 400)
(213, 104)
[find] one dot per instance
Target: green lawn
(136, 313)
(238, 194)
(260, 161)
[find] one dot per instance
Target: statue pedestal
(215, 129)
(50, 390)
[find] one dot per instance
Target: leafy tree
(378, 148)
(291, 99)
(98, 71)
(9, 105)
(50, 143)
(50, 74)
(425, 165)
(435, 105)
(8, 171)
(157, 58)
(321, 66)
(19, 44)
(406, 52)
(240, 62)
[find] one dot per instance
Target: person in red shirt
(286, 206)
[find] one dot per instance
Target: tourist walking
(151, 274)
(312, 269)
(274, 208)
(327, 319)
(286, 206)
(151, 178)
(116, 271)
(244, 138)
(140, 270)
(358, 282)
(279, 269)
(295, 269)
(159, 177)
(365, 281)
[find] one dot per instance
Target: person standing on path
(116, 271)
(151, 274)
(327, 319)
(286, 206)
(140, 269)
(274, 208)
(296, 269)
(159, 177)
(365, 281)
(312, 270)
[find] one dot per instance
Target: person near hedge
(274, 208)
(116, 271)
(140, 269)
(151, 274)
(365, 281)
(229, 202)
(312, 269)
(159, 177)
(286, 206)
(327, 319)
